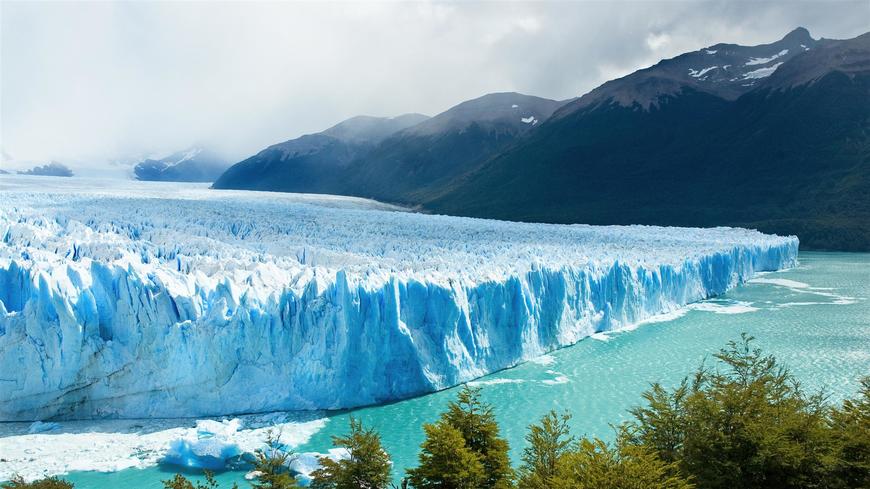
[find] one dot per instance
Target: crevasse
(162, 301)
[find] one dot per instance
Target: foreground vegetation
(744, 423)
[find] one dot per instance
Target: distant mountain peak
(194, 164)
(723, 70)
(798, 34)
(51, 169)
(849, 56)
(507, 109)
(369, 129)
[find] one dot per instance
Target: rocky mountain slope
(790, 154)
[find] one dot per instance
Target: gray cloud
(86, 83)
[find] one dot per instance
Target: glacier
(145, 300)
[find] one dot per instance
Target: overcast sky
(84, 83)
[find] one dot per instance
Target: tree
(446, 462)
(661, 423)
(181, 482)
(547, 442)
(850, 465)
(747, 424)
(366, 467)
(271, 464)
(475, 420)
(592, 464)
(18, 482)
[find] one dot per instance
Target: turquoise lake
(815, 319)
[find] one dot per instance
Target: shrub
(367, 465)
(747, 425)
(18, 482)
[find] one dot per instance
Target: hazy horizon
(89, 83)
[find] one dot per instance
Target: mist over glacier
(159, 300)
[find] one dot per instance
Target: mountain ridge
(396, 156)
(783, 157)
(773, 136)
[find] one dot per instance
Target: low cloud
(91, 83)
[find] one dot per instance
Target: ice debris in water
(210, 448)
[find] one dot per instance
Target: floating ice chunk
(600, 336)
(303, 464)
(206, 428)
(514, 106)
(712, 51)
(211, 447)
(207, 453)
(528, 119)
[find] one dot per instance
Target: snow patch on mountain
(184, 156)
(761, 72)
(699, 73)
(764, 61)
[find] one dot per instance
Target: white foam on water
(782, 282)
(558, 378)
(543, 360)
(478, 383)
(731, 307)
(804, 288)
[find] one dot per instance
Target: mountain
(314, 163)
(397, 160)
(192, 165)
(53, 169)
(420, 160)
(725, 70)
(784, 150)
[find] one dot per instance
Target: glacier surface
(138, 299)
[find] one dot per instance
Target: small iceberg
(211, 447)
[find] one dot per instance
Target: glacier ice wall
(157, 300)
